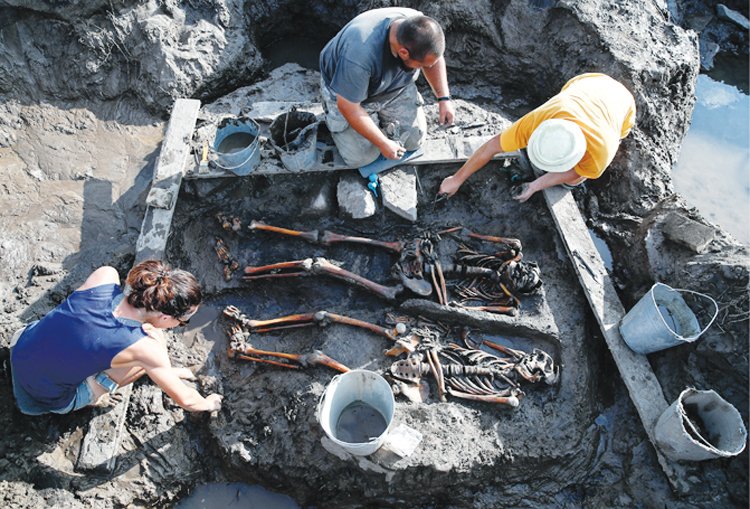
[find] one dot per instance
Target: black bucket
(294, 136)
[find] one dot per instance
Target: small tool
(440, 197)
(373, 184)
(203, 167)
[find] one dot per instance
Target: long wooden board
(452, 145)
(635, 370)
(447, 150)
(102, 441)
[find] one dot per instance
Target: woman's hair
(155, 286)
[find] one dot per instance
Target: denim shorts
(28, 405)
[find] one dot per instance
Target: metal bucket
(354, 390)
(700, 425)
(662, 319)
(294, 136)
(237, 146)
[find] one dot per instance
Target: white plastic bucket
(358, 385)
(662, 319)
(700, 425)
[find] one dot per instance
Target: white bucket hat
(556, 145)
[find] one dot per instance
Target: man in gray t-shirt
(368, 72)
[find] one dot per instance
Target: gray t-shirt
(357, 63)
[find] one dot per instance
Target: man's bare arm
(437, 77)
(476, 162)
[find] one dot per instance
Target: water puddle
(713, 171)
(359, 423)
(235, 496)
(235, 143)
(603, 249)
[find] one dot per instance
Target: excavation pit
(267, 430)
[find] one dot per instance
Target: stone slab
(355, 200)
(728, 14)
(635, 370)
(689, 233)
(101, 443)
(398, 189)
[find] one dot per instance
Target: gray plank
(635, 370)
(446, 150)
(167, 179)
(101, 443)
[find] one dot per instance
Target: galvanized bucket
(358, 385)
(237, 145)
(700, 425)
(662, 319)
(294, 136)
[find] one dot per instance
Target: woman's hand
(213, 402)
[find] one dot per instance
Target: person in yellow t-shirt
(572, 137)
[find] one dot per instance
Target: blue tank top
(77, 339)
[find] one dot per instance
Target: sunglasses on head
(184, 321)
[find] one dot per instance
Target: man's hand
(213, 402)
(449, 186)
(447, 112)
(392, 149)
(524, 192)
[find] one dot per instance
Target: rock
(687, 232)
(709, 50)
(320, 204)
(355, 200)
(399, 190)
(735, 17)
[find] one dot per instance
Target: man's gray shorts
(402, 108)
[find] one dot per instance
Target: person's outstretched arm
(545, 181)
(154, 359)
(476, 162)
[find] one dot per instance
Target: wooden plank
(635, 370)
(168, 174)
(102, 441)
(446, 150)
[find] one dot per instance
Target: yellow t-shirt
(603, 108)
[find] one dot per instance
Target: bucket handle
(716, 309)
(231, 168)
(334, 381)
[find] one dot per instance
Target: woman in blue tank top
(100, 339)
